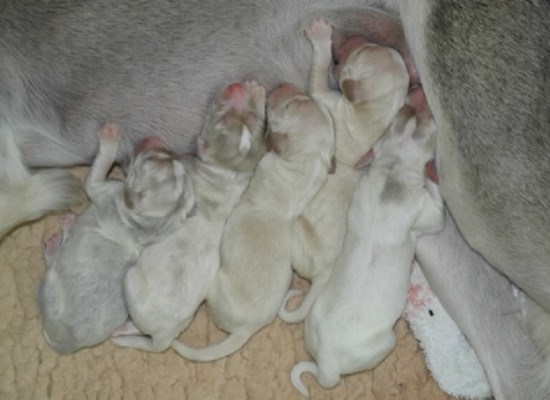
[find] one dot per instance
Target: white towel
(449, 357)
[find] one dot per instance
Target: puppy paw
(319, 32)
(257, 93)
(109, 133)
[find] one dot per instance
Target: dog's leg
(25, 196)
(482, 303)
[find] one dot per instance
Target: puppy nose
(282, 93)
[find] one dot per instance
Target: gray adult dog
(68, 66)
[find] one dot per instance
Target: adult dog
(67, 67)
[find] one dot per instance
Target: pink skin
(149, 143)
(281, 94)
(234, 95)
(417, 100)
(430, 172)
(53, 243)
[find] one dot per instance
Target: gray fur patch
(393, 191)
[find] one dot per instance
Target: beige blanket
(29, 369)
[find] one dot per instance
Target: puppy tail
(25, 196)
(233, 342)
(300, 313)
(298, 370)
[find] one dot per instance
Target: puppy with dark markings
(81, 299)
(67, 66)
(350, 326)
(172, 277)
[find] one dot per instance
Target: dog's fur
(374, 83)
(255, 270)
(81, 298)
(350, 326)
(172, 277)
(56, 89)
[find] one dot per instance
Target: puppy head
(233, 133)
(297, 123)
(410, 137)
(374, 76)
(157, 185)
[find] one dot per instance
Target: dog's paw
(256, 92)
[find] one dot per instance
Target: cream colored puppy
(171, 278)
(374, 83)
(81, 299)
(255, 268)
(350, 326)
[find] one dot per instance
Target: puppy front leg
(319, 34)
(109, 137)
(432, 216)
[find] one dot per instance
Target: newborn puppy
(255, 270)
(349, 328)
(172, 277)
(374, 83)
(81, 298)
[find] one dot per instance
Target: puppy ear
(365, 159)
(351, 89)
(246, 141)
(277, 142)
(431, 172)
(332, 169)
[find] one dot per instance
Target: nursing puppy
(171, 278)
(350, 326)
(255, 270)
(466, 52)
(81, 298)
(374, 83)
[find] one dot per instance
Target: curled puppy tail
(233, 342)
(25, 196)
(326, 378)
(300, 313)
(294, 316)
(298, 370)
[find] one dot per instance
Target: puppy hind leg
(126, 329)
(154, 344)
(25, 196)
